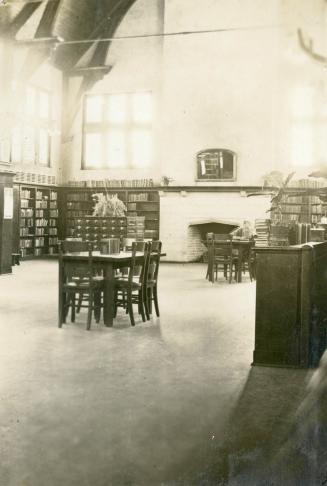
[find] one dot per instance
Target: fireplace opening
(197, 231)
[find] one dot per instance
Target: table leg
(108, 299)
(240, 265)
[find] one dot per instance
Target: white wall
(234, 89)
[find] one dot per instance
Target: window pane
(16, 145)
(93, 150)
(116, 149)
(142, 107)
(44, 105)
(30, 103)
(117, 108)
(141, 148)
(28, 145)
(44, 147)
(93, 110)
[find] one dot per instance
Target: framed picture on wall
(216, 165)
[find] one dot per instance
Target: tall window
(117, 131)
(30, 136)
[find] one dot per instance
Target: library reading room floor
(173, 401)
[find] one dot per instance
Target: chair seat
(122, 283)
(224, 259)
(84, 285)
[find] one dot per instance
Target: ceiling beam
(21, 18)
(47, 21)
(68, 56)
(87, 69)
(41, 47)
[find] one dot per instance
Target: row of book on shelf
(271, 234)
(124, 183)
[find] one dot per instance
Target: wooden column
(6, 220)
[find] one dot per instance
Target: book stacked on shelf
(123, 183)
(262, 231)
(32, 178)
(307, 183)
(279, 235)
(303, 231)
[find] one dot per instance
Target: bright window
(117, 131)
(30, 137)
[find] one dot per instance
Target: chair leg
(80, 298)
(97, 306)
(230, 266)
(146, 303)
(155, 300)
(61, 318)
(89, 311)
(115, 303)
(73, 297)
(141, 306)
(150, 298)
(130, 308)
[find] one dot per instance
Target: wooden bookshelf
(77, 203)
(37, 220)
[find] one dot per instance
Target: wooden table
(108, 263)
(243, 247)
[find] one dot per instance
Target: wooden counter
(291, 305)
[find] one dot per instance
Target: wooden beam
(38, 41)
(87, 69)
(48, 18)
(91, 75)
(21, 18)
(68, 56)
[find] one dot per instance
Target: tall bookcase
(304, 208)
(38, 220)
(77, 203)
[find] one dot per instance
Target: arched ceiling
(41, 23)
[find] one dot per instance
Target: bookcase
(304, 208)
(38, 220)
(76, 207)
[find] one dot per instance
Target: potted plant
(108, 206)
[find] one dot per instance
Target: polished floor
(173, 401)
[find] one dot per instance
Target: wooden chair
(76, 245)
(76, 279)
(151, 283)
(248, 261)
(130, 289)
(221, 256)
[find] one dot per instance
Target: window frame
(104, 126)
(213, 151)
